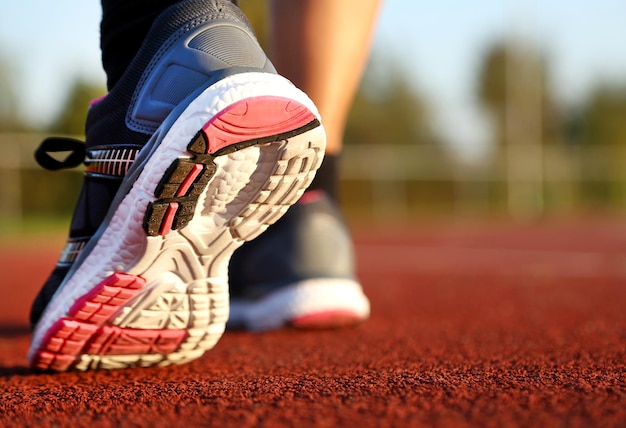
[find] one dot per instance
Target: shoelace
(60, 144)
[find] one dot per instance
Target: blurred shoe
(299, 273)
(198, 148)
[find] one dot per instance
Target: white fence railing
(531, 180)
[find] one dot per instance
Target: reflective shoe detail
(71, 251)
(314, 303)
(113, 162)
(214, 202)
(299, 273)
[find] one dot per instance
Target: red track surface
(471, 326)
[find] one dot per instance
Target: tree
(597, 131)
(513, 84)
(602, 119)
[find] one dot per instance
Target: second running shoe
(197, 149)
(299, 273)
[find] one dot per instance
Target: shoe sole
(151, 288)
(310, 304)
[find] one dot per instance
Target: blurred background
(510, 109)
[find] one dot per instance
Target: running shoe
(198, 148)
(299, 273)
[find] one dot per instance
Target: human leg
(322, 47)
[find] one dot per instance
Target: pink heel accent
(254, 118)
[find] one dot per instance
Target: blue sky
(50, 43)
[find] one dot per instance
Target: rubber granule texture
(488, 326)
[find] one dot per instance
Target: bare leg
(306, 260)
(322, 47)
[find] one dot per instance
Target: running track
(472, 325)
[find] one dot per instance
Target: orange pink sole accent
(84, 330)
(326, 319)
(254, 118)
